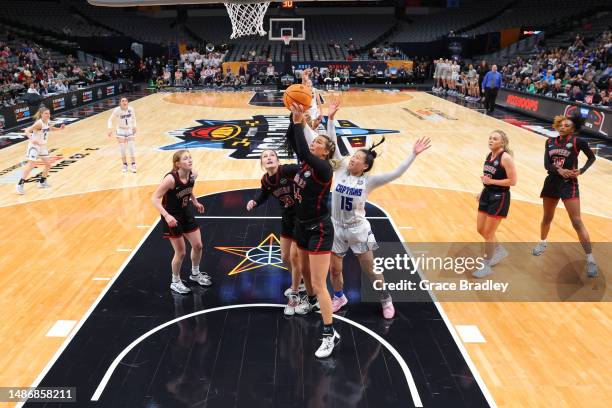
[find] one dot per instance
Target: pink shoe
(338, 302)
(388, 309)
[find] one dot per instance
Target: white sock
(176, 279)
(543, 242)
(131, 147)
(590, 258)
(195, 270)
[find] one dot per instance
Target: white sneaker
(301, 288)
(327, 345)
(124, 168)
(292, 303)
(20, 189)
(499, 254)
(539, 249)
(179, 287)
(482, 272)
(203, 279)
(304, 307)
(44, 184)
(133, 167)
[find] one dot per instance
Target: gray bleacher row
(528, 13)
(51, 16)
(430, 27)
(597, 24)
(134, 24)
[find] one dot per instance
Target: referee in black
(490, 85)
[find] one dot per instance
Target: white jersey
(41, 135)
(350, 193)
(348, 197)
(314, 108)
(126, 119)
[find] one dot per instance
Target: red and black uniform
(314, 231)
(495, 200)
(281, 186)
(563, 153)
(176, 203)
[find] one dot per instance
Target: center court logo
(249, 137)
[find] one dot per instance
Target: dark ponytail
(370, 154)
(576, 119)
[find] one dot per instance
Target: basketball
(299, 94)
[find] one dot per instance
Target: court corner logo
(249, 137)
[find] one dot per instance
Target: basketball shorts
(186, 224)
(359, 238)
(559, 187)
(494, 203)
(34, 152)
(121, 132)
(288, 225)
(455, 77)
(315, 236)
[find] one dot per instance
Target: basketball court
(87, 256)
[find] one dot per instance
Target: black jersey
(493, 169)
(313, 181)
(311, 192)
(281, 186)
(176, 200)
(563, 153)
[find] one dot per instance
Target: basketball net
(247, 19)
(286, 39)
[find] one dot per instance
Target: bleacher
(430, 27)
(542, 13)
(51, 16)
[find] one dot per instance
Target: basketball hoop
(247, 19)
(286, 39)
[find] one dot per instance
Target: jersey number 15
(346, 203)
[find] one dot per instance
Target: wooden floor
(57, 241)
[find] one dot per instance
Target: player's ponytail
(371, 154)
(40, 112)
(505, 141)
(176, 158)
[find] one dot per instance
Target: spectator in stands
(44, 89)
(549, 77)
(32, 89)
(254, 75)
(359, 75)
(242, 74)
(373, 74)
(270, 74)
(316, 76)
(557, 89)
(576, 95)
(490, 86)
(208, 75)
(178, 78)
